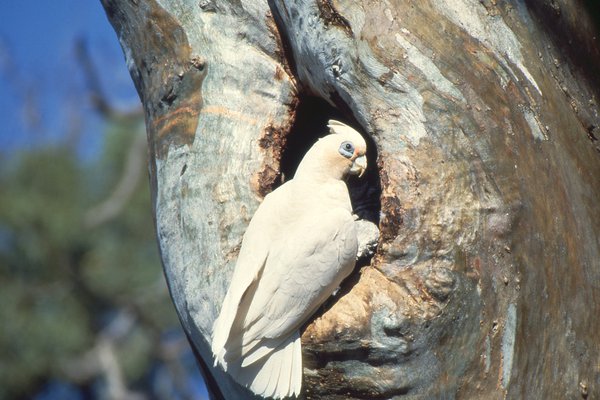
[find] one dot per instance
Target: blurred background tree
(85, 311)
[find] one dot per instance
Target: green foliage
(61, 281)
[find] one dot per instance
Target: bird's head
(336, 155)
(352, 147)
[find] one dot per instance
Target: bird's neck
(328, 192)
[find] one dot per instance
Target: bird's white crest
(299, 246)
(339, 127)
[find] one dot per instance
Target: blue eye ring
(347, 149)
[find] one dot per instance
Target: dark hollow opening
(310, 124)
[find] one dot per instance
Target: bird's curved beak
(359, 166)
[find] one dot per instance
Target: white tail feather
(278, 374)
(296, 378)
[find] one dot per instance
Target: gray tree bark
(483, 121)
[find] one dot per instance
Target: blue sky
(38, 67)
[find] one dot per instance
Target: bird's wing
(302, 270)
(254, 251)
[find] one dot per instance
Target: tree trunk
(483, 120)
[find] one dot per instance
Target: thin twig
(125, 188)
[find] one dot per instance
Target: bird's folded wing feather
(251, 260)
(303, 268)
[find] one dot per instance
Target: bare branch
(99, 99)
(102, 360)
(125, 188)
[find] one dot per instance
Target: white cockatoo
(300, 244)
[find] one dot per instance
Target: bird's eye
(347, 149)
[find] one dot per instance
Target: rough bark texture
(484, 115)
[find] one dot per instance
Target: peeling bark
(486, 280)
